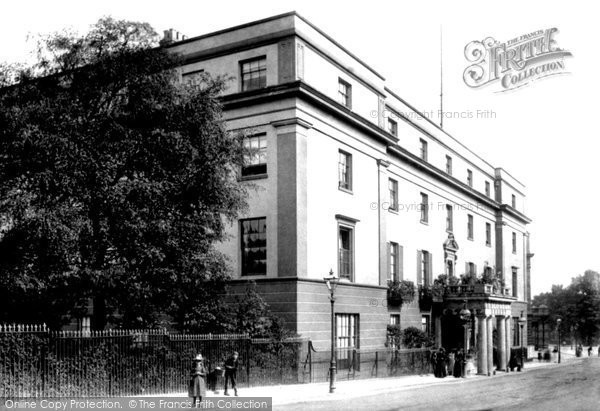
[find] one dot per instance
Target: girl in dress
(197, 381)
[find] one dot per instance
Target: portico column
(482, 345)
(501, 326)
(438, 330)
(490, 344)
(508, 323)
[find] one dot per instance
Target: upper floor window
(254, 73)
(449, 165)
(471, 268)
(423, 149)
(344, 170)
(393, 187)
(193, 77)
(254, 246)
(424, 208)
(255, 160)
(345, 93)
(392, 127)
(424, 268)
(515, 283)
(487, 189)
(346, 252)
(514, 243)
(514, 201)
(394, 254)
(469, 226)
(488, 234)
(449, 222)
(470, 178)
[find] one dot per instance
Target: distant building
(351, 178)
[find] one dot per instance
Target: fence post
(376, 364)
(248, 343)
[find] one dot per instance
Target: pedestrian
(590, 351)
(197, 387)
(434, 361)
(451, 357)
(441, 363)
(231, 366)
(458, 364)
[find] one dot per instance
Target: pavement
(319, 392)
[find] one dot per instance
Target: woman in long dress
(197, 388)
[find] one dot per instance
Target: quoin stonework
(339, 184)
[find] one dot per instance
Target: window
(347, 337)
(254, 246)
(344, 93)
(448, 218)
(425, 324)
(193, 78)
(395, 319)
(424, 208)
(449, 165)
(514, 243)
(423, 149)
(83, 324)
(424, 267)
(392, 127)
(488, 234)
(345, 252)
(470, 178)
(487, 188)
(255, 160)
(469, 226)
(514, 201)
(471, 268)
(345, 170)
(514, 282)
(394, 259)
(393, 187)
(254, 74)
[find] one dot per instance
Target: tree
(116, 181)
(578, 305)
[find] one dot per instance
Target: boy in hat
(231, 366)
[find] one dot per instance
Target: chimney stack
(172, 36)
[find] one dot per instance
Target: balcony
(463, 291)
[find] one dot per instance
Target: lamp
(465, 317)
(331, 282)
(522, 321)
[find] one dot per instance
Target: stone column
(482, 368)
(438, 330)
(490, 344)
(508, 323)
(501, 327)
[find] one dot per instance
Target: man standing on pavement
(231, 366)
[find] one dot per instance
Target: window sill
(253, 177)
(393, 211)
(424, 222)
(488, 245)
(345, 190)
(450, 231)
(470, 238)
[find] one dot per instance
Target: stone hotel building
(346, 177)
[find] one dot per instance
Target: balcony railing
(476, 290)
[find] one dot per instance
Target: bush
(412, 337)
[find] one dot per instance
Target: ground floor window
(347, 337)
(425, 324)
(254, 246)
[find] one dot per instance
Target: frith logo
(514, 63)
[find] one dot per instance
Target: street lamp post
(558, 321)
(465, 316)
(331, 283)
(543, 310)
(522, 321)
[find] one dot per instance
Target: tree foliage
(578, 306)
(116, 180)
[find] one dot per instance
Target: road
(571, 386)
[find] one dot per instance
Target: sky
(544, 134)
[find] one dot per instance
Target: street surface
(569, 386)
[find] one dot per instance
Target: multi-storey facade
(347, 176)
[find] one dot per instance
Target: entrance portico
(489, 333)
